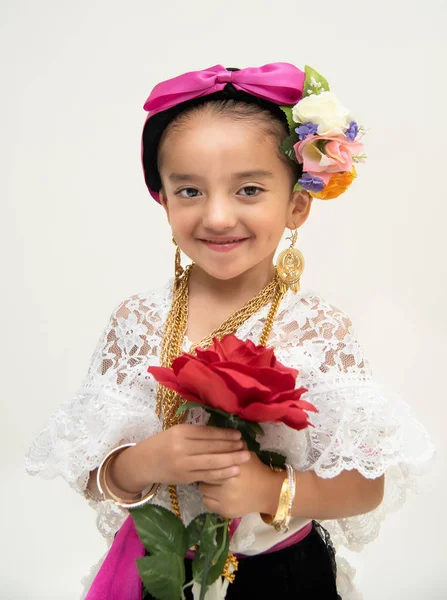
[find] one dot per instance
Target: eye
(252, 189)
(187, 189)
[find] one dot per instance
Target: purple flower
(306, 129)
(352, 131)
(311, 183)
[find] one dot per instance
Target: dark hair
(270, 118)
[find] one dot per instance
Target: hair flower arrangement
(324, 139)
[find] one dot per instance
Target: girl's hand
(255, 489)
(182, 454)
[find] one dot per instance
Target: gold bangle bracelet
(292, 486)
(108, 494)
(279, 521)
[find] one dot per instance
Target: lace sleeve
(366, 426)
(114, 404)
(361, 424)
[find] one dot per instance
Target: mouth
(223, 243)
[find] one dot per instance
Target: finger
(206, 462)
(211, 504)
(209, 489)
(214, 482)
(217, 475)
(204, 432)
(214, 446)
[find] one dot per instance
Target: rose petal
(167, 377)
(220, 347)
(207, 356)
(179, 362)
(289, 396)
(232, 348)
(262, 357)
(308, 406)
(163, 375)
(266, 378)
(246, 388)
(276, 413)
(297, 420)
(208, 386)
(336, 158)
(283, 369)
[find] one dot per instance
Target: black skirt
(304, 571)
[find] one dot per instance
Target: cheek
(183, 220)
(270, 224)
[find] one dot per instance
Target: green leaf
(272, 459)
(163, 575)
(297, 187)
(314, 82)
(194, 529)
(219, 555)
(252, 444)
(212, 552)
(187, 406)
(254, 428)
(289, 114)
(218, 419)
(159, 530)
(287, 146)
(248, 429)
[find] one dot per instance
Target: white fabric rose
(325, 110)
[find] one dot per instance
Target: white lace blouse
(358, 425)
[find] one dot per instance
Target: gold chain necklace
(168, 401)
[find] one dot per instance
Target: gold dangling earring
(179, 270)
(290, 265)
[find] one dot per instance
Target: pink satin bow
(282, 83)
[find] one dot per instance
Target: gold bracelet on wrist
(101, 480)
(291, 475)
(279, 521)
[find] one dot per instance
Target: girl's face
(227, 194)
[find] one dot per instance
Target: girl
(234, 157)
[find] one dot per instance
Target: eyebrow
(175, 177)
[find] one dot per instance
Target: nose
(219, 214)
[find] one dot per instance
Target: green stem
(224, 538)
(187, 585)
(218, 525)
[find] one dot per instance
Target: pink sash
(118, 577)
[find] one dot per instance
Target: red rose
(239, 378)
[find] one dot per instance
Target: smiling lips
(223, 244)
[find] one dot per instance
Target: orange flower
(338, 183)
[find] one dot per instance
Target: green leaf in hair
(314, 82)
(290, 122)
(287, 146)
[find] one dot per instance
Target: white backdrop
(80, 232)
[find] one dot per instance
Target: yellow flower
(338, 183)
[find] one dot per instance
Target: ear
(299, 209)
(164, 202)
